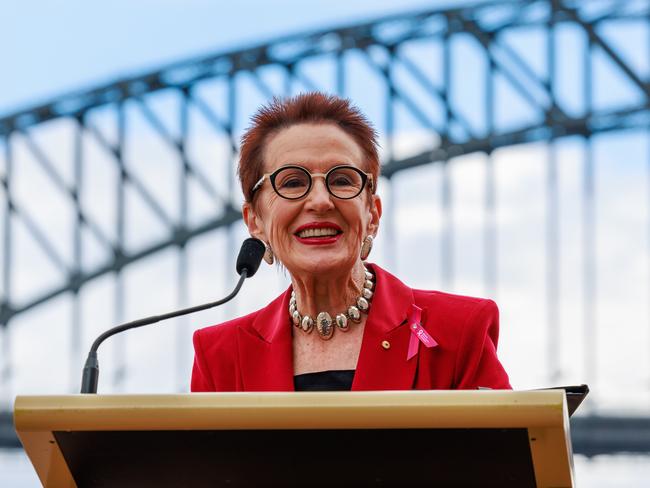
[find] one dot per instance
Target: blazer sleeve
(477, 364)
(201, 380)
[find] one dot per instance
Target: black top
(340, 380)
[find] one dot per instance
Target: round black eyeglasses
(295, 182)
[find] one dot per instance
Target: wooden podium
(389, 438)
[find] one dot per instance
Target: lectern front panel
(365, 457)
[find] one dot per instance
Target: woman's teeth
(317, 232)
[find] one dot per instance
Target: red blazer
(254, 352)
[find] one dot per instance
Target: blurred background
(516, 165)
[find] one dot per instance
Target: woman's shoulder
(452, 301)
(440, 301)
(455, 310)
(224, 331)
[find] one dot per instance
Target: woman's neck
(331, 293)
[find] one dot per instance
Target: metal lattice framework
(413, 60)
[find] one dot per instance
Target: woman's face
(288, 225)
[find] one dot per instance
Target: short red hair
(307, 108)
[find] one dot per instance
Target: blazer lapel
(265, 349)
(382, 363)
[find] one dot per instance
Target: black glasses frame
(365, 177)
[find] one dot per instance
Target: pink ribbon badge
(418, 334)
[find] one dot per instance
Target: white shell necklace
(324, 323)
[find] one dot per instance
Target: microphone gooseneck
(248, 262)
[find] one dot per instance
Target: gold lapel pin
(385, 345)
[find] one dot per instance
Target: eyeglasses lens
(292, 182)
(295, 182)
(344, 182)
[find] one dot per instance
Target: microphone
(250, 256)
(248, 262)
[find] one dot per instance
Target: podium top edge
(472, 399)
(291, 410)
(349, 398)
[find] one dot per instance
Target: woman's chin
(321, 262)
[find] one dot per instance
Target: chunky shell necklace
(324, 323)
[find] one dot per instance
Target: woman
(309, 170)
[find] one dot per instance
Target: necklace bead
(342, 322)
(307, 323)
(295, 316)
(324, 325)
(354, 314)
(363, 304)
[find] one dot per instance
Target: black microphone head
(250, 256)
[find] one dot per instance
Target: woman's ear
(375, 215)
(253, 222)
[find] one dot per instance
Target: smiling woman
(308, 169)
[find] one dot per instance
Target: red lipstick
(318, 225)
(318, 241)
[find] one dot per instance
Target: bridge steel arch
(404, 70)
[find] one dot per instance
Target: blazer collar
(391, 302)
(382, 363)
(266, 353)
(272, 323)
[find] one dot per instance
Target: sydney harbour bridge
(472, 79)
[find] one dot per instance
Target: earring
(366, 247)
(268, 254)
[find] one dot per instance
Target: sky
(54, 47)
(61, 46)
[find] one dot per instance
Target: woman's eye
(341, 181)
(293, 182)
(343, 177)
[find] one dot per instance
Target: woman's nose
(319, 197)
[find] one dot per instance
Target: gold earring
(366, 247)
(268, 254)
